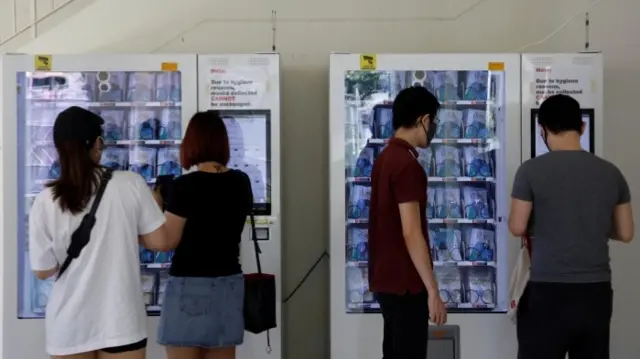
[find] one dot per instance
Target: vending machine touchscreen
(249, 133)
(587, 140)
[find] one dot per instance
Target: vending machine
(578, 75)
(470, 166)
(245, 89)
(146, 102)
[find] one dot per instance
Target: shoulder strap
(254, 238)
(106, 177)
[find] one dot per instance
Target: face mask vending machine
(146, 102)
(245, 89)
(470, 165)
(578, 75)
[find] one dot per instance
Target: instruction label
(237, 87)
(549, 80)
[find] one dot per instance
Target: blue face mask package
(357, 249)
(448, 161)
(448, 202)
(480, 245)
(148, 286)
(480, 287)
(115, 158)
(476, 86)
(359, 202)
(163, 257)
(477, 162)
(110, 86)
(384, 123)
(450, 284)
(357, 286)
(432, 239)
(448, 245)
(140, 87)
(113, 125)
(364, 163)
(449, 124)
(425, 158)
(169, 161)
(143, 161)
(445, 85)
(170, 124)
(146, 256)
(475, 122)
(168, 87)
(40, 294)
(431, 202)
(476, 202)
(142, 124)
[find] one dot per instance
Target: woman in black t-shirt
(202, 310)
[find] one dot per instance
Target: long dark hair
(79, 177)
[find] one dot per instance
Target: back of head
(412, 103)
(75, 134)
(560, 113)
(205, 140)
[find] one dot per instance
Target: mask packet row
(357, 248)
(358, 286)
(480, 288)
(476, 85)
(448, 161)
(358, 206)
(447, 202)
(476, 202)
(445, 85)
(475, 125)
(477, 162)
(169, 161)
(450, 285)
(480, 245)
(364, 163)
(143, 161)
(447, 245)
(425, 158)
(449, 124)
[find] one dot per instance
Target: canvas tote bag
(519, 279)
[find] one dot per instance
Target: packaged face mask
(431, 202)
(357, 249)
(449, 124)
(146, 256)
(168, 87)
(476, 86)
(42, 162)
(448, 161)
(114, 123)
(448, 245)
(41, 291)
(143, 161)
(480, 287)
(450, 284)
(384, 122)
(170, 124)
(359, 202)
(115, 158)
(40, 124)
(162, 287)
(476, 202)
(445, 85)
(475, 122)
(448, 202)
(364, 163)
(142, 124)
(163, 257)
(425, 158)
(148, 286)
(477, 162)
(169, 161)
(356, 285)
(432, 240)
(140, 86)
(480, 245)
(110, 86)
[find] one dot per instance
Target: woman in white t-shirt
(95, 309)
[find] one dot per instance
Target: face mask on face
(543, 134)
(430, 132)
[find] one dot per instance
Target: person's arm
(152, 231)
(408, 191)
(43, 262)
(623, 226)
(521, 203)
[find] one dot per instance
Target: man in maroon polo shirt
(400, 267)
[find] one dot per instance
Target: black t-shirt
(216, 206)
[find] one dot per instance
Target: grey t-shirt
(574, 194)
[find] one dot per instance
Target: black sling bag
(82, 234)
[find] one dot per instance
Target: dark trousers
(406, 325)
(559, 318)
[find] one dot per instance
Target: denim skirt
(202, 312)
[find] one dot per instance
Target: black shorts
(556, 319)
(126, 348)
(406, 325)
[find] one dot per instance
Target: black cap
(77, 124)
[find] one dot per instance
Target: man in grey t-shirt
(570, 203)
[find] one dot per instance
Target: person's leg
(410, 327)
(544, 323)
(387, 307)
(593, 341)
(184, 353)
(220, 353)
(89, 355)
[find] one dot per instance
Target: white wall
(308, 31)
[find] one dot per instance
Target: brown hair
(206, 140)
(79, 177)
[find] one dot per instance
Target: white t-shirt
(97, 303)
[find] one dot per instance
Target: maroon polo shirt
(397, 177)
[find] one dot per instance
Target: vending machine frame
(360, 335)
(14, 330)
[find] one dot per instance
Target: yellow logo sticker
(43, 62)
(170, 66)
(368, 62)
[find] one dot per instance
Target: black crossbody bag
(82, 234)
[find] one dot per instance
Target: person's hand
(157, 195)
(437, 310)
